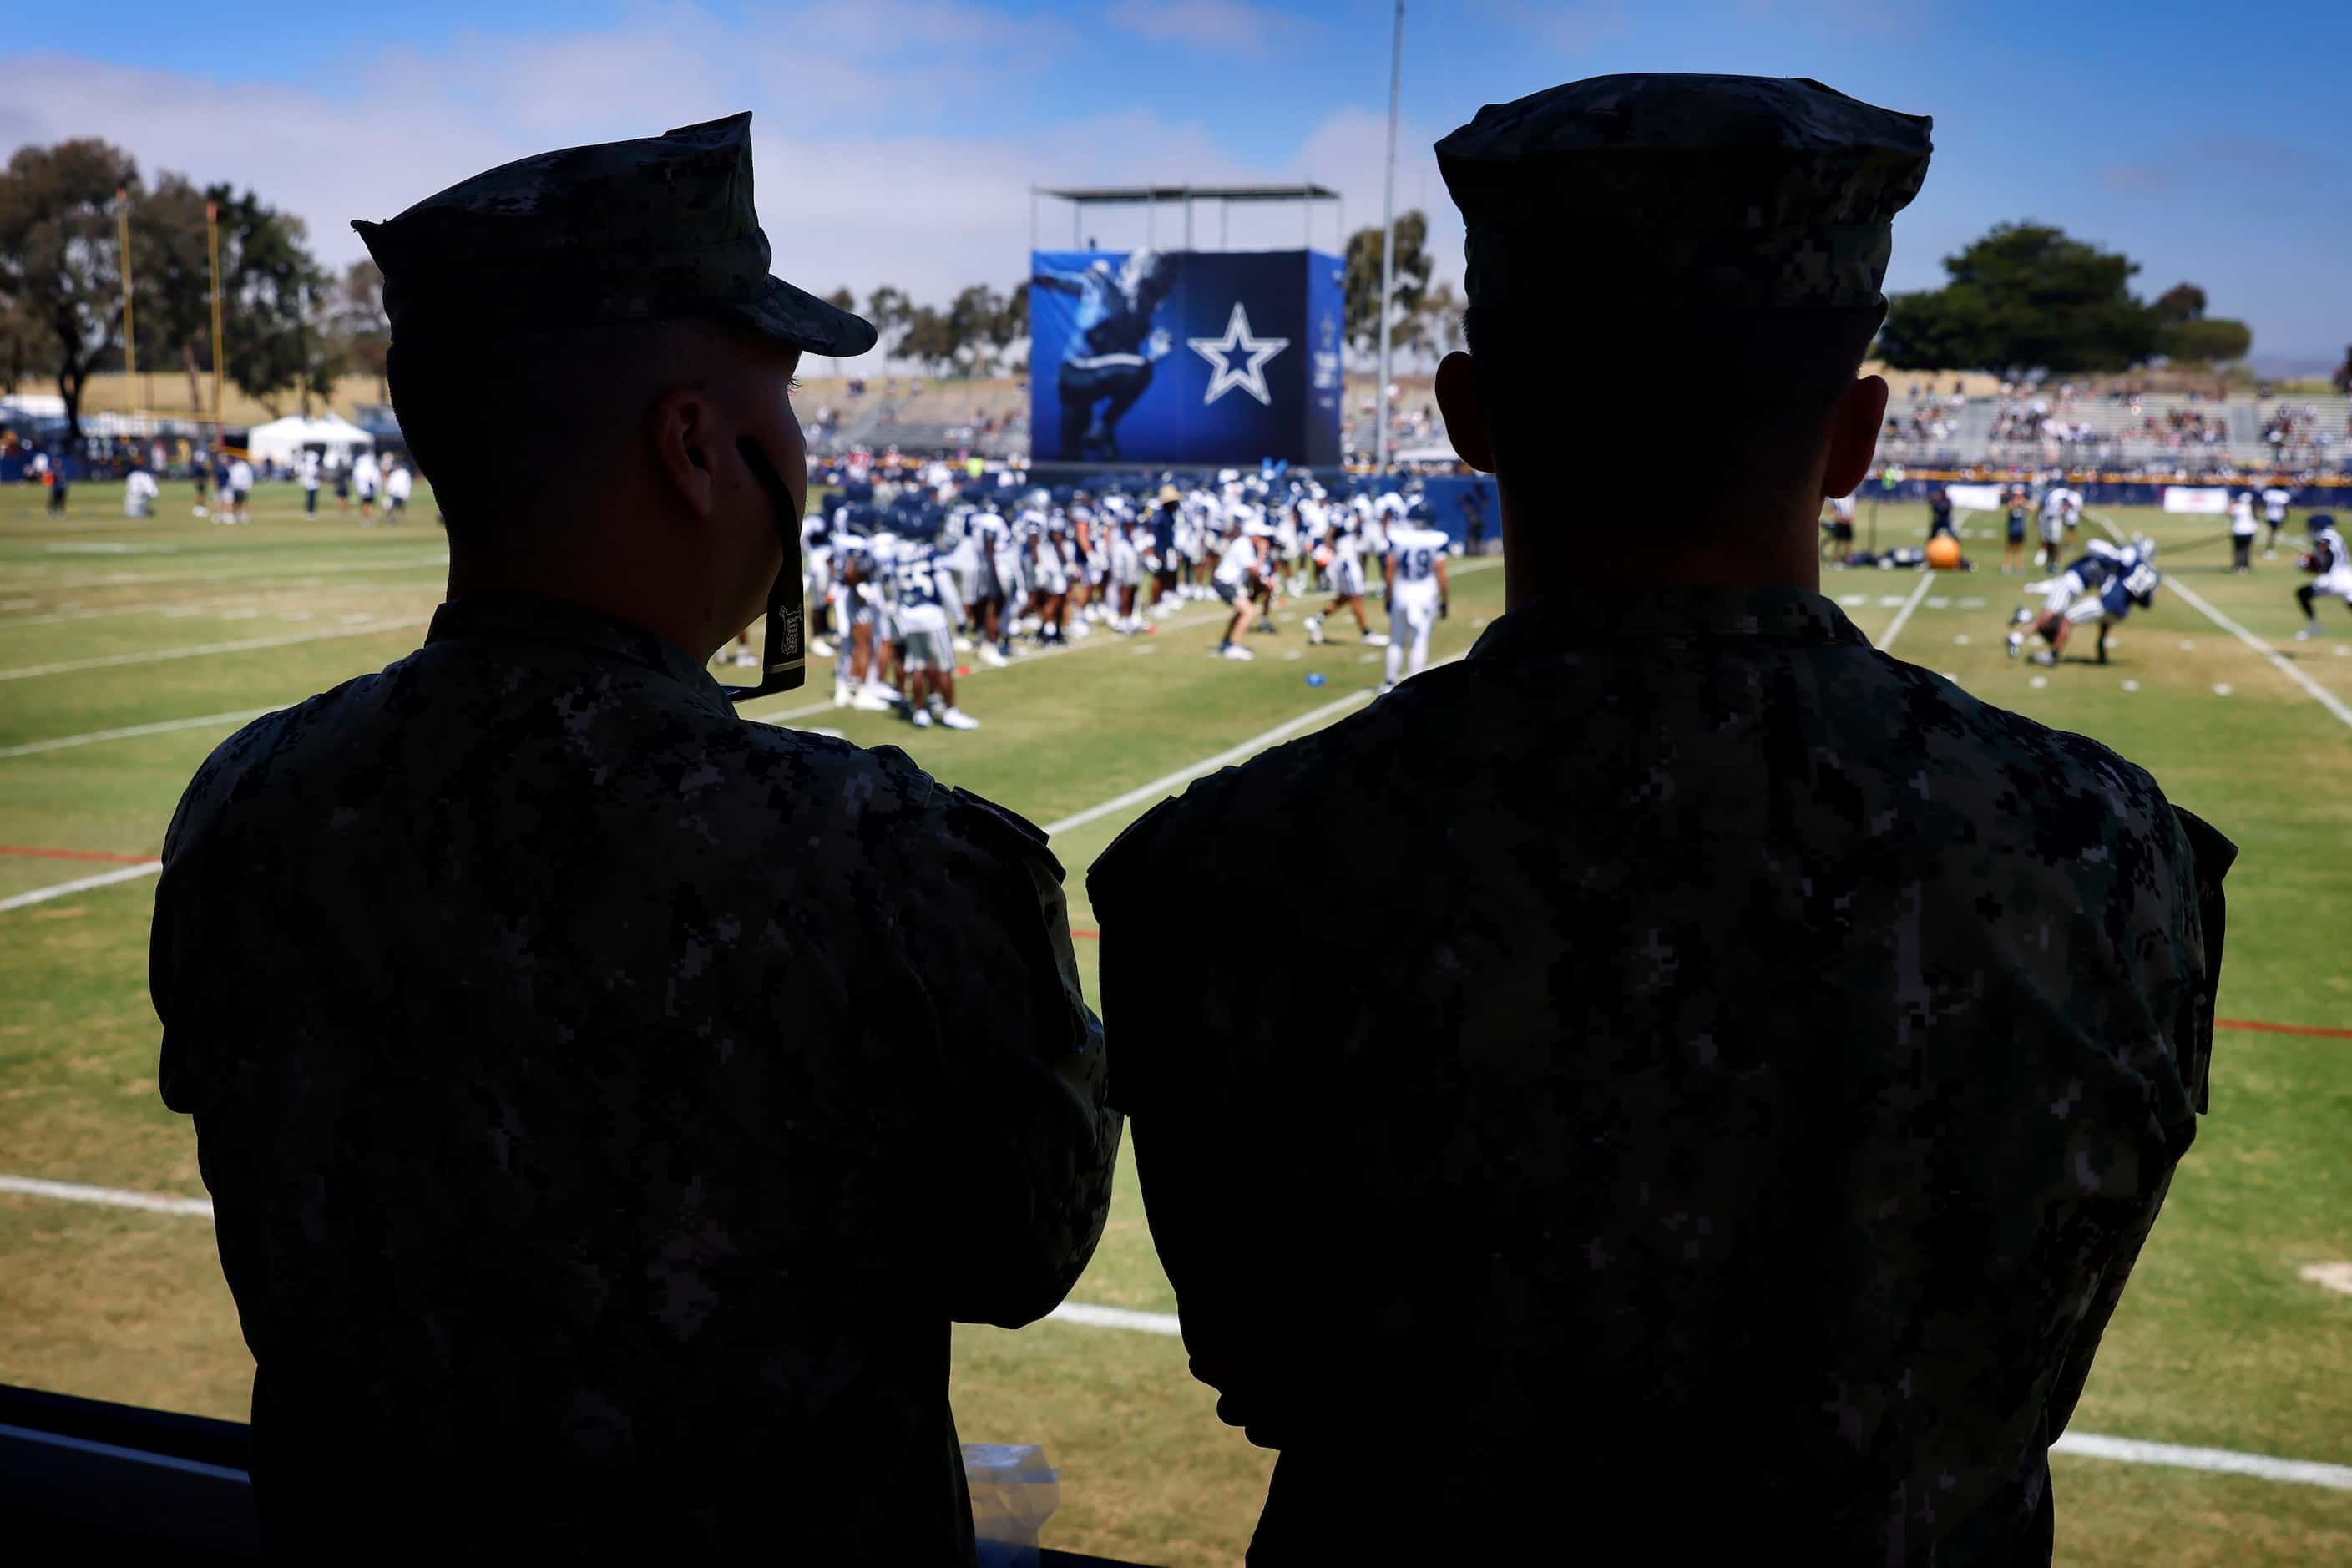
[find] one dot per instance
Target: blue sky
(896, 139)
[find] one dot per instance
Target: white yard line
(2222, 1461)
(81, 885)
(1250, 747)
(1903, 616)
(112, 1197)
(2285, 666)
(163, 727)
(1081, 1314)
(201, 650)
(258, 571)
(1116, 1318)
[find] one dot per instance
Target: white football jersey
(1416, 552)
(1238, 562)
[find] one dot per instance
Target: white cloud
(861, 181)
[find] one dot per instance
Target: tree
(2343, 377)
(928, 338)
(275, 341)
(891, 312)
(2209, 341)
(970, 323)
(1435, 327)
(2180, 303)
(842, 299)
(60, 268)
(174, 278)
(1011, 327)
(2024, 296)
(268, 281)
(20, 346)
(1361, 312)
(2190, 336)
(355, 315)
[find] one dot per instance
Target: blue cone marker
(1315, 678)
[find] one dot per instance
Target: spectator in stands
(608, 1102)
(1712, 1174)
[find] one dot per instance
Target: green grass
(2219, 1343)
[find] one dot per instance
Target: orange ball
(1943, 552)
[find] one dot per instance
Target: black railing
(83, 1480)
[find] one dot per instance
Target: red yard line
(76, 854)
(2282, 1028)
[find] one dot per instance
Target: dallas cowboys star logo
(1237, 344)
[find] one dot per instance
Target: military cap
(1754, 192)
(622, 231)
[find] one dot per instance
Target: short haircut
(1750, 391)
(498, 426)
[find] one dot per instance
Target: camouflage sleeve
(1201, 1187)
(2201, 858)
(1029, 1142)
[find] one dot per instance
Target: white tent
(283, 440)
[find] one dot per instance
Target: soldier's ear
(1854, 422)
(1465, 415)
(682, 431)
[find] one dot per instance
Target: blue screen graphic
(1184, 356)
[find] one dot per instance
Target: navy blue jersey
(2091, 569)
(915, 575)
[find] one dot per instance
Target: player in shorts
(2130, 584)
(2276, 499)
(2012, 550)
(1123, 575)
(2060, 590)
(925, 608)
(1050, 561)
(2331, 573)
(1939, 513)
(1837, 533)
(1347, 571)
(1236, 582)
(2242, 533)
(1418, 597)
(2053, 528)
(1008, 558)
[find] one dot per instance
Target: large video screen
(1184, 356)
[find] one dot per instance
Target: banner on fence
(1975, 498)
(2196, 499)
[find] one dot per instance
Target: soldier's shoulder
(1329, 769)
(1938, 710)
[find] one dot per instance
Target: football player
(1236, 582)
(1346, 567)
(2331, 573)
(926, 607)
(2276, 499)
(1418, 596)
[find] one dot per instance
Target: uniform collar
(1780, 617)
(527, 619)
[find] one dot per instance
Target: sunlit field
(128, 649)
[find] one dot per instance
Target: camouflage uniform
(609, 1103)
(1776, 1061)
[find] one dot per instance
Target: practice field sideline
(2225, 1354)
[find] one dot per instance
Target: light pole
(1388, 247)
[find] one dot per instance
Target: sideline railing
(85, 1480)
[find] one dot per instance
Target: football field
(2216, 1429)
